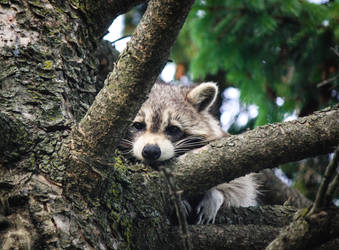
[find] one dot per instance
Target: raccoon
(174, 120)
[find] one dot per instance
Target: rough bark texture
(48, 82)
(308, 231)
(99, 14)
(14, 139)
(274, 216)
(275, 192)
(51, 198)
(48, 75)
(137, 69)
(263, 147)
(228, 237)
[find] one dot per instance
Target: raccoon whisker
(176, 154)
(126, 142)
(126, 152)
(199, 137)
(191, 144)
(125, 139)
(189, 126)
(191, 139)
(182, 150)
(189, 147)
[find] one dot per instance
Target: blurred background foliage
(281, 55)
(267, 49)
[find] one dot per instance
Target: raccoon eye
(139, 125)
(173, 130)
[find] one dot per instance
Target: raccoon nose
(151, 152)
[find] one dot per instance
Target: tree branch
(330, 172)
(138, 67)
(100, 14)
(275, 192)
(263, 147)
(308, 231)
(226, 237)
(275, 216)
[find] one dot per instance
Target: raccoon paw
(209, 206)
(187, 207)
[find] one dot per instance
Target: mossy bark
(263, 147)
(308, 231)
(48, 56)
(48, 81)
(126, 88)
(61, 185)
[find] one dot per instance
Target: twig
(335, 50)
(123, 37)
(175, 196)
(331, 189)
(329, 80)
(324, 186)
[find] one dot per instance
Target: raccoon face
(172, 121)
(157, 145)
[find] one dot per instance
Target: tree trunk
(62, 185)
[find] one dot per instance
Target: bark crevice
(263, 147)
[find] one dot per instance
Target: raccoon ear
(203, 96)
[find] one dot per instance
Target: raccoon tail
(241, 192)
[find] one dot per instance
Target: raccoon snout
(151, 152)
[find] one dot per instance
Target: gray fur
(174, 98)
(188, 109)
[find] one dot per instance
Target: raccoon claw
(205, 218)
(187, 207)
(209, 206)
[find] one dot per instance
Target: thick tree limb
(275, 192)
(110, 209)
(138, 67)
(227, 237)
(275, 216)
(263, 147)
(100, 14)
(308, 231)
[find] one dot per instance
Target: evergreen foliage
(267, 49)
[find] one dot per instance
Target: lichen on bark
(67, 188)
